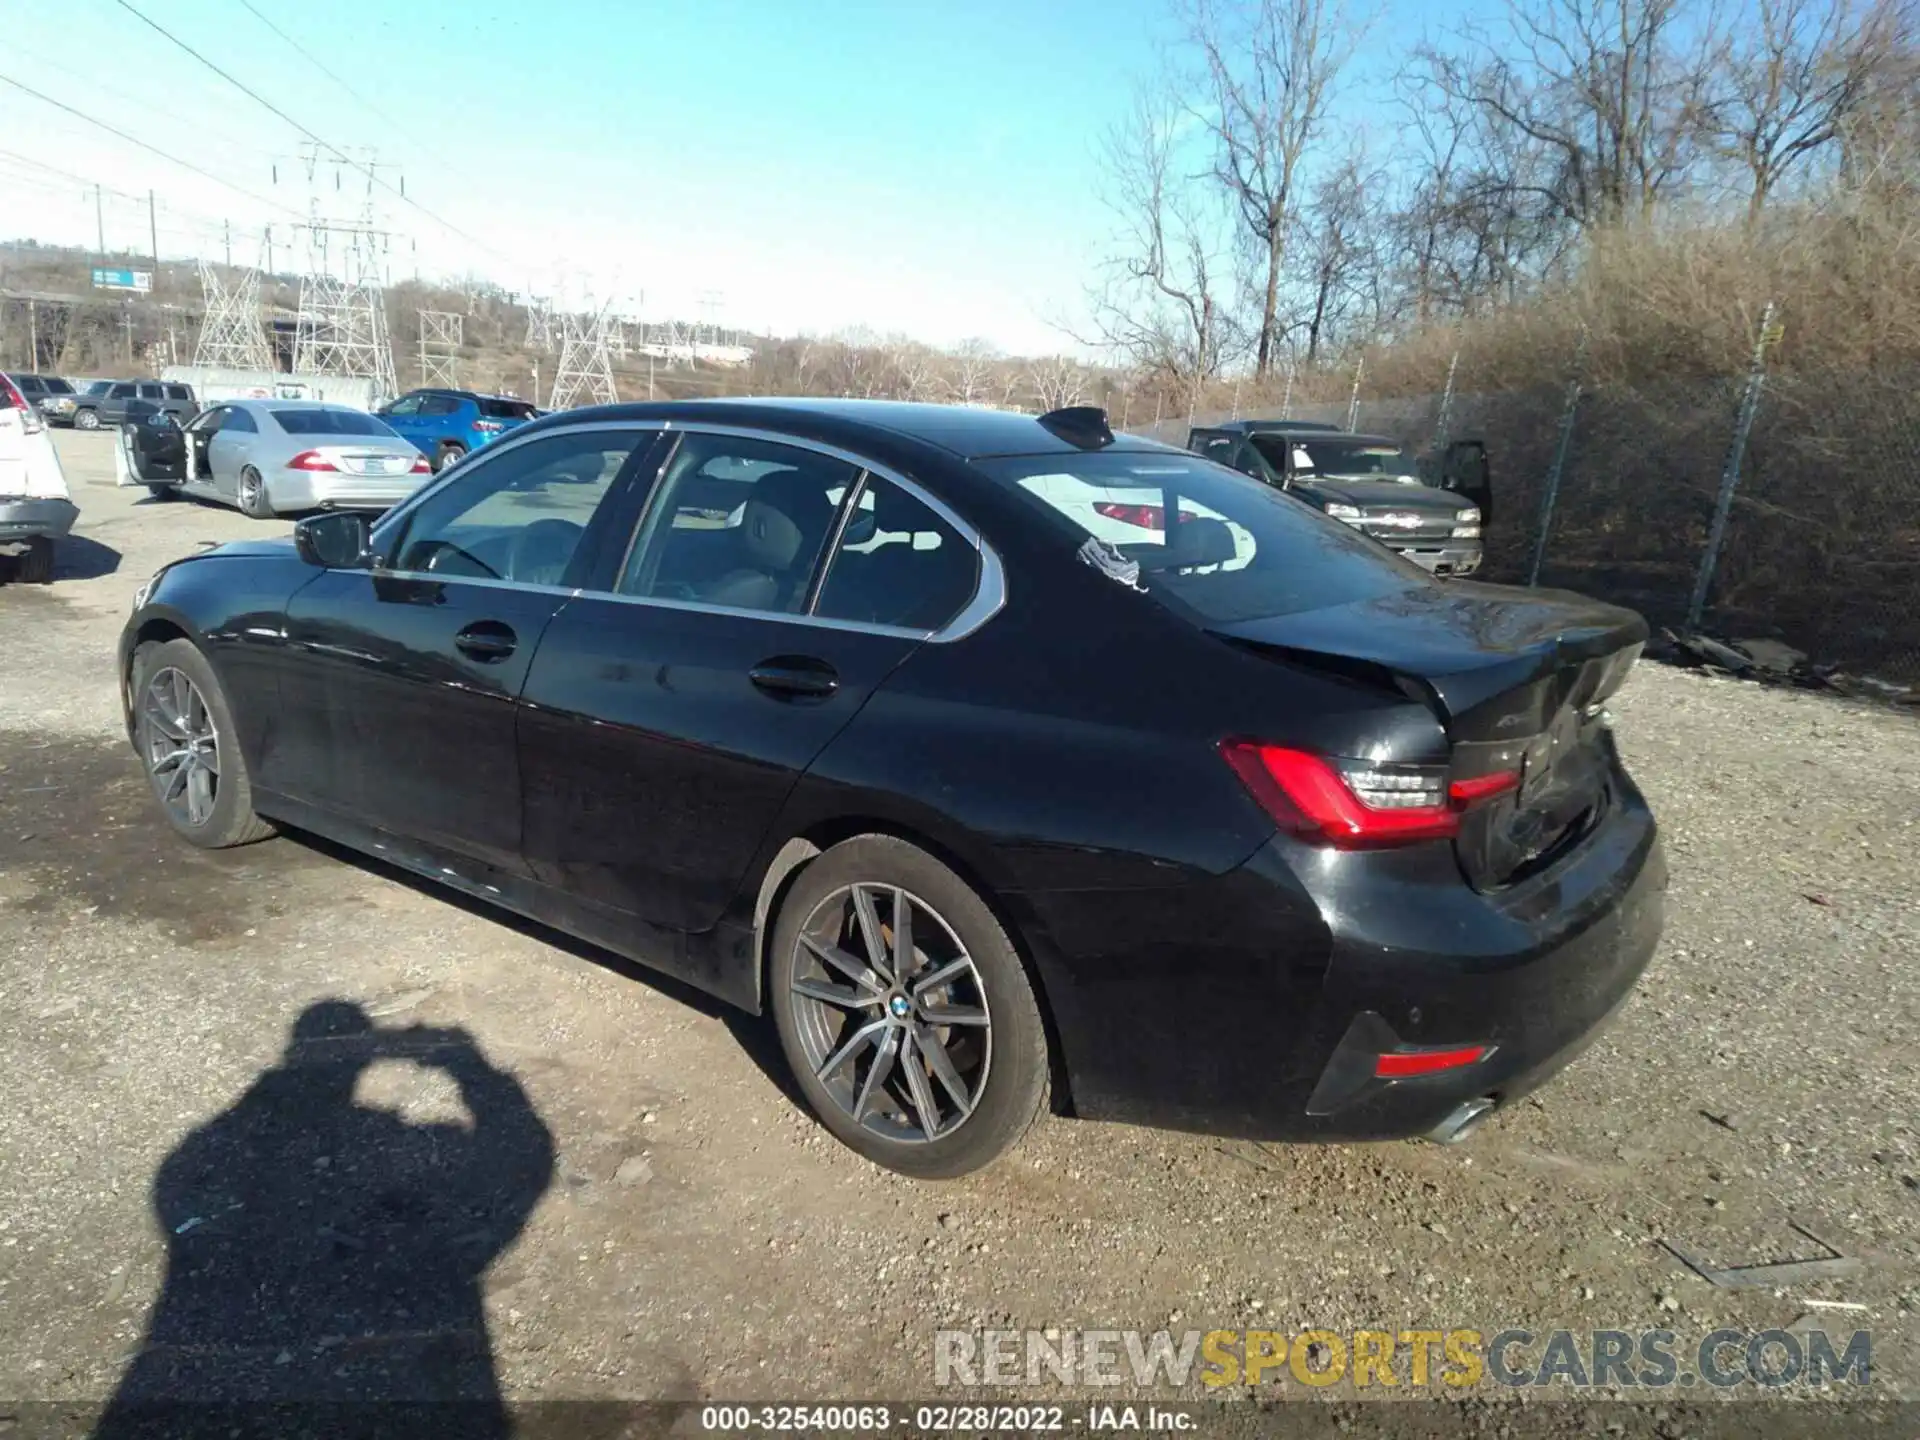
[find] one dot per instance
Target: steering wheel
(442, 557)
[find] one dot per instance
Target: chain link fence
(1821, 547)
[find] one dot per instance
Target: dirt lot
(698, 1236)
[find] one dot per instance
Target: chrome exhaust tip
(1465, 1117)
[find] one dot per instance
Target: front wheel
(255, 503)
(905, 1011)
(186, 738)
(86, 420)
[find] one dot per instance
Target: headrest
(1197, 541)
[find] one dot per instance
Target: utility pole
(33, 335)
(227, 227)
(153, 236)
(100, 219)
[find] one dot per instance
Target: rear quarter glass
(1285, 555)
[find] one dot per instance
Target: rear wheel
(36, 566)
(905, 1011)
(255, 503)
(446, 455)
(86, 420)
(163, 492)
(185, 735)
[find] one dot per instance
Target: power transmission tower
(539, 322)
(231, 337)
(585, 372)
(342, 324)
(441, 332)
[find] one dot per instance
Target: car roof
(968, 432)
(1253, 427)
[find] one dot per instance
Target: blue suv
(444, 425)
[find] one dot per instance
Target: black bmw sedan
(994, 755)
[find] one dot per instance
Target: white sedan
(35, 507)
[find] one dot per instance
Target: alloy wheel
(250, 488)
(182, 746)
(891, 1013)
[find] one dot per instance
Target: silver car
(273, 456)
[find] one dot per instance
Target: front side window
(100, 389)
(178, 392)
(438, 405)
(899, 563)
(516, 514)
(122, 391)
(405, 405)
(738, 523)
(208, 421)
(56, 386)
(1235, 549)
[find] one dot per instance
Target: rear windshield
(329, 420)
(1316, 456)
(505, 409)
(56, 386)
(1240, 549)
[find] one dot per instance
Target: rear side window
(495, 409)
(1236, 549)
(153, 392)
(240, 423)
(330, 420)
(898, 563)
(179, 392)
(438, 405)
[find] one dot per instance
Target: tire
(255, 503)
(1000, 1067)
(228, 819)
(446, 455)
(36, 566)
(164, 492)
(86, 420)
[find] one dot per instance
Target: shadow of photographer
(325, 1258)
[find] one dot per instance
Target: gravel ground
(698, 1236)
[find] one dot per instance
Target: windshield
(1240, 549)
(330, 420)
(1317, 458)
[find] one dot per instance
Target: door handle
(795, 677)
(487, 641)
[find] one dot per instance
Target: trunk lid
(1516, 677)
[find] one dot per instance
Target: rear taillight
(420, 466)
(12, 399)
(1147, 517)
(489, 427)
(311, 460)
(1355, 804)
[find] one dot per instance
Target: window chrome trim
(990, 585)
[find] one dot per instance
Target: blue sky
(926, 168)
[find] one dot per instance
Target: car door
(1464, 470)
(672, 708)
(404, 416)
(400, 682)
(230, 448)
(200, 432)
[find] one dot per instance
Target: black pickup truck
(1370, 482)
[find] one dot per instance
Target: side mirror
(342, 540)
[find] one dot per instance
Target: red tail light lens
(311, 460)
(1147, 517)
(12, 399)
(1352, 804)
(489, 427)
(1402, 1064)
(421, 467)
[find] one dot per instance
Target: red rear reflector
(1483, 787)
(1405, 1063)
(311, 460)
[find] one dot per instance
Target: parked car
(1250, 827)
(272, 456)
(51, 395)
(36, 507)
(1368, 481)
(104, 402)
(446, 425)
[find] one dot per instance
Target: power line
(335, 150)
(151, 149)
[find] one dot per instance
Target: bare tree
(1271, 69)
(1057, 382)
(970, 373)
(1794, 76)
(1158, 302)
(1340, 255)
